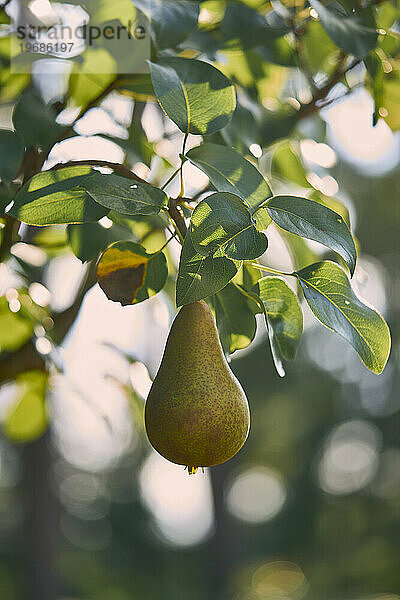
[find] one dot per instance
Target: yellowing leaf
(128, 274)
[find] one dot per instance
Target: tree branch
(122, 169)
(176, 215)
(82, 112)
(65, 319)
(26, 358)
(340, 71)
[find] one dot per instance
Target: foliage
(247, 80)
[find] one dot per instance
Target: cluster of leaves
(238, 74)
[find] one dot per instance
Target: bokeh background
(309, 509)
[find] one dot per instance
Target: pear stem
(192, 470)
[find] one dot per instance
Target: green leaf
(88, 239)
(283, 317)
(287, 165)
(7, 194)
(104, 11)
(248, 27)
(318, 48)
(4, 17)
(235, 318)
(374, 66)
(193, 94)
(350, 33)
(11, 154)
(278, 124)
(332, 203)
(244, 127)
(391, 100)
(54, 197)
(137, 85)
(34, 120)
(316, 222)
(201, 276)
(280, 52)
(90, 76)
(138, 148)
(249, 277)
(300, 252)
(128, 274)
(15, 329)
(171, 21)
(223, 222)
(26, 419)
(330, 297)
(12, 84)
(124, 195)
(228, 171)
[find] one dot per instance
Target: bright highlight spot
(320, 154)
(327, 185)
(43, 345)
(181, 505)
(256, 495)
(352, 132)
(11, 294)
(31, 254)
(106, 223)
(14, 305)
(41, 8)
(39, 294)
(140, 378)
(350, 458)
(256, 150)
(279, 580)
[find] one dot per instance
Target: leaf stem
(174, 174)
(254, 297)
(182, 192)
(174, 235)
(270, 270)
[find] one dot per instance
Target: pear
(196, 412)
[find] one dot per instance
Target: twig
(308, 109)
(173, 236)
(174, 220)
(83, 111)
(177, 218)
(174, 174)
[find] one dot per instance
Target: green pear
(196, 412)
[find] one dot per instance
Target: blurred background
(309, 508)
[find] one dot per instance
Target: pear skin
(196, 412)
